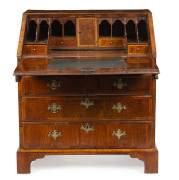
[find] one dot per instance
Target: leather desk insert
(87, 85)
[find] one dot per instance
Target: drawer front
(35, 49)
(138, 84)
(112, 42)
(93, 134)
(62, 42)
(138, 49)
(67, 108)
(53, 85)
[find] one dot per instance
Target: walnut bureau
(87, 85)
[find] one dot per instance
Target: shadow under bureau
(87, 85)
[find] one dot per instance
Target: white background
(166, 27)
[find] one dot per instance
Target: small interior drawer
(112, 42)
(62, 42)
(35, 49)
(138, 49)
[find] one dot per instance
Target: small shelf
(69, 29)
(142, 31)
(43, 33)
(131, 31)
(56, 29)
(105, 29)
(31, 35)
(118, 29)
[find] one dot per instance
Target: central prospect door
(87, 32)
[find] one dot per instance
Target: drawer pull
(34, 50)
(54, 108)
(54, 84)
(119, 84)
(54, 134)
(119, 107)
(138, 49)
(118, 133)
(87, 103)
(87, 128)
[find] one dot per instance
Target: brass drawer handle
(119, 107)
(87, 103)
(54, 134)
(34, 49)
(53, 84)
(118, 133)
(120, 84)
(54, 108)
(61, 42)
(87, 128)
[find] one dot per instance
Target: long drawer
(93, 134)
(99, 85)
(102, 107)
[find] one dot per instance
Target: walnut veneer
(93, 110)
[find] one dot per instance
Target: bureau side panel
(20, 114)
(153, 110)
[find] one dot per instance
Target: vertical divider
(125, 32)
(62, 27)
(111, 25)
(37, 30)
(49, 29)
(136, 28)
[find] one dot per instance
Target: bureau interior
(128, 33)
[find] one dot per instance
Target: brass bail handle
(53, 84)
(120, 84)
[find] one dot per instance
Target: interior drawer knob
(54, 108)
(87, 128)
(54, 134)
(87, 103)
(110, 42)
(119, 107)
(118, 133)
(53, 84)
(61, 42)
(138, 49)
(119, 84)
(34, 50)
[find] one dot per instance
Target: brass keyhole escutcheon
(118, 133)
(87, 103)
(87, 128)
(119, 107)
(54, 108)
(54, 134)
